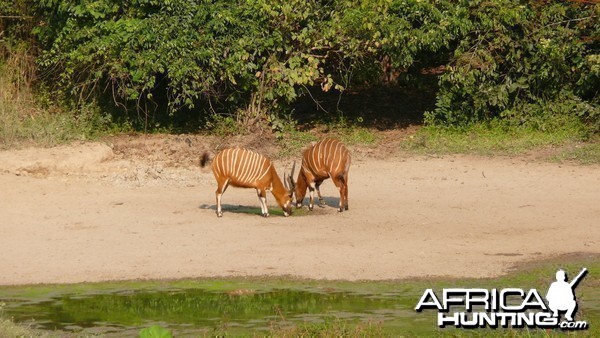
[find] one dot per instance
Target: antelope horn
(293, 169)
(291, 177)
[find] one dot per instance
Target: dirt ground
(141, 208)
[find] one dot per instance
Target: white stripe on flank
(247, 164)
(319, 157)
(314, 159)
(250, 162)
(236, 165)
(266, 171)
(224, 165)
(230, 155)
(340, 158)
(331, 153)
(216, 164)
(253, 168)
(335, 154)
(228, 162)
(261, 164)
(243, 165)
(232, 162)
(326, 153)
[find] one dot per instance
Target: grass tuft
(583, 153)
(357, 136)
(492, 138)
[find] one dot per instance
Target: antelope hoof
(310, 208)
(346, 208)
(219, 214)
(265, 215)
(298, 205)
(340, 210)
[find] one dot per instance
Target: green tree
(522, 61)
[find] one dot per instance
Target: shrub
(523, 61)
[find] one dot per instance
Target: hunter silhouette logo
(508, 307)
(561, 294)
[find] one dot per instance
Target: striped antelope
(246, 169)
(324, 159)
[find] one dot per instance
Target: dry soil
(141, 208)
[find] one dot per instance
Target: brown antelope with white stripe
(324, 159)
(246, 169)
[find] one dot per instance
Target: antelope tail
(204, 159)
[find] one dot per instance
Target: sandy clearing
(78, 214)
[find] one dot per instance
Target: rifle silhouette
(576, 280)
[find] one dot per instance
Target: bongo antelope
(324, 159)
(246, 169)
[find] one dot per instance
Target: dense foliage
(516, 60)
(523, 62)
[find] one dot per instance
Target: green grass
(492, 138)
(350, 132)
(358, 136)
(584, 153)
(43, 128)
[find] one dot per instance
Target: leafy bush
(187, 60)
(248, 56)
(522, 62)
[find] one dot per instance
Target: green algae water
(266, 306)
(196, 311)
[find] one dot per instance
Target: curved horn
(291, 185)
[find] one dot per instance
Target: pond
(263, 305)
(190, 311)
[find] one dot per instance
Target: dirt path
(83, 213)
